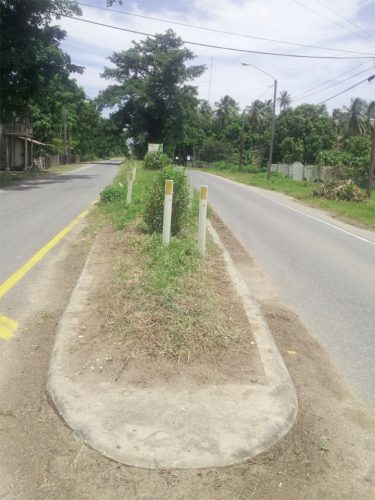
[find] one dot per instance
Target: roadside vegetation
(362, 212)
(37, 83)
(168, 302)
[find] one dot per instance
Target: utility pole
(65, 137)
(272, 129)
(273, 116)
(372, 161)
(242, 140)
(209, 82)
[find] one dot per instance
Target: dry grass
(155, 314)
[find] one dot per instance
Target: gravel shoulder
(327, 454)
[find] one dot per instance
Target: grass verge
(167, 303)
(362, 212)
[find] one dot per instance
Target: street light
(273, 115)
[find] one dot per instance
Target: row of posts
(167, 217)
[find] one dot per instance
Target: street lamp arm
(259, 69)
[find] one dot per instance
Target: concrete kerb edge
(277, 375)
(278, 381)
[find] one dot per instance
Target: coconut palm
(355, 115)
(258, 113)
(226, 109)
(370, 115)
(284, 100)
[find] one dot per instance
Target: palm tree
(284, 100)
(258, 112)
(370, 115)
(226, 109)
(355, 116)
(339, 120)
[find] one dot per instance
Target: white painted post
(202, 220)
(130, 188)
(167, 219)
(134, 172)
(191, 193)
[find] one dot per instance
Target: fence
(45, 162)
(300, 172)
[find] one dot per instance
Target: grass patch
(362, 212)
(116, 211)
(168, 303)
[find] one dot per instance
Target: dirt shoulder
(328, 453)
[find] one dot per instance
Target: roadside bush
(154, 206)
(113, 193)
(344, 191)
(156, 161)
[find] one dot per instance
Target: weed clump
(154, 206)
(342, 191)
(112, 194)
(156, 161)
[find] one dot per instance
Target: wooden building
(17, 145)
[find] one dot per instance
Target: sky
(346, 25)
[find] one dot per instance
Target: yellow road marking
(20, 273)
(8, 328)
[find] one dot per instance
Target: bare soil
(328, 454)
(199, 336)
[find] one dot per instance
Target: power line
(344, 19)
(331, 20)
(369, 79)
(214, 30)
(232, 49)
(316, 89)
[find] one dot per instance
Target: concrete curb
(212, 426)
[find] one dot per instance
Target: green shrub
(344, 191)
(156, 161)
(154, 207)
(113, 193)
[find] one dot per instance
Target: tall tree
(356, 117)
(259, 112)
(152, 93)
(30, 52)
(284, 100)
(225, 110)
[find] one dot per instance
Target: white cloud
(90, 45)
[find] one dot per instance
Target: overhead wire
(344, 18)
(214, 30)
(317, 88)
(298, 2)
(369, 79)
(220, 47)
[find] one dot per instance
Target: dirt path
(328, 454)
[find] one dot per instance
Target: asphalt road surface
(322, 269)
(34, 211)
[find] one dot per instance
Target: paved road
(323, 269)
(34, 211)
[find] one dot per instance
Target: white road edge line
(322, 221)
(300, 211)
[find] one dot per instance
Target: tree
(225, 110)
(30, 52)
(355, 115)
(152, 93)
(259, 113)
(284, 100)
(309, 124)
